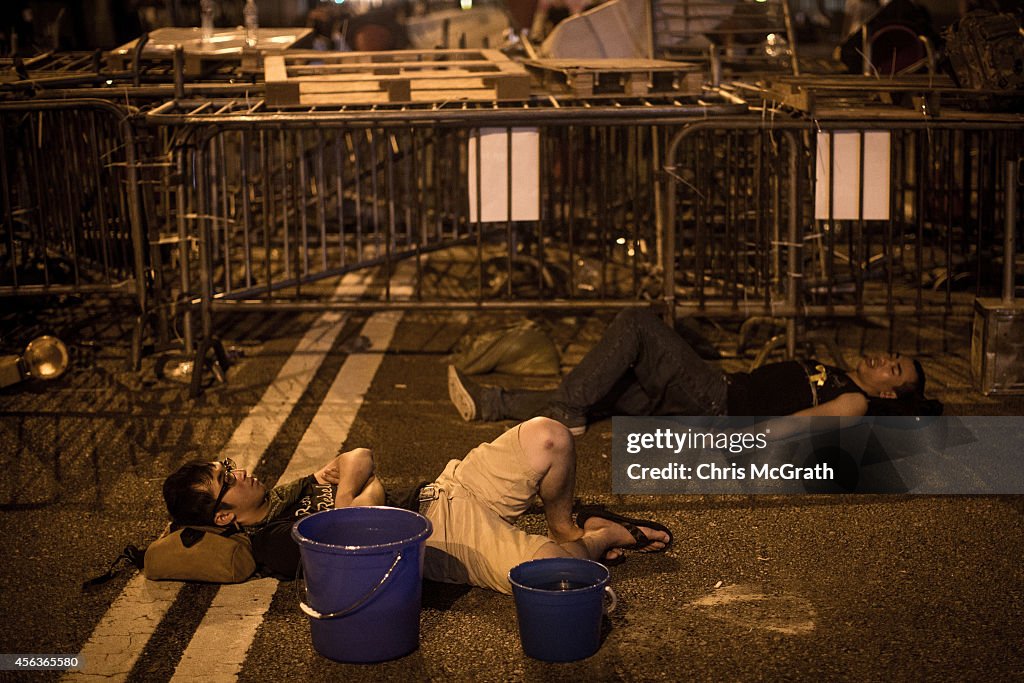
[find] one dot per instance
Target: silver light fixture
(44, 358)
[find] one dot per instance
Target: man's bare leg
(550, 451)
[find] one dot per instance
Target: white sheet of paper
(493, 201)
(846, 175)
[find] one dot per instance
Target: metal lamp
(45, 358)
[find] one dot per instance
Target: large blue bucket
(559, 606)
(364, 569)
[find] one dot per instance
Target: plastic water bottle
(206, 9)
(251, 14)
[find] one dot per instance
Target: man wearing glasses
(473, 505)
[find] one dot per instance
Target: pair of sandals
(632, 525)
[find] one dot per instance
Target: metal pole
(683, 308)
(787, 18)
(184, 250)
(667, 235)
(139, 241)
(179, 72)
(205, 247)
(795, 265)
(1009, 236)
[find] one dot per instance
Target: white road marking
(121, 635)
(260, 426)
(206, 657)
(749, 608)
(334, 418)
(227, 630)
(118, 640)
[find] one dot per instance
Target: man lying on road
(473, 505)
(642, 367)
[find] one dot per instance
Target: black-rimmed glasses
(228, 466)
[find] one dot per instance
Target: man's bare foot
(614, 555)
(610, 533)
(621, 538)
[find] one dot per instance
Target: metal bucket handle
(613, 600)
(313, 614)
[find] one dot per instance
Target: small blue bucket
(364, 574)
(559, 605)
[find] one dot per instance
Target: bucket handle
(313, 614)
(613, 600)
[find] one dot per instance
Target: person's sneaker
(578, 429)
(577, 426)
(460, 391)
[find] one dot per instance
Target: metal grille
(281, 208)
(742, 203)
(68, 189)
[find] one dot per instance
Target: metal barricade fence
(711, 213)
(72, 222)
(283, 201)
(285, 207)
(791, 220)
(278, 203)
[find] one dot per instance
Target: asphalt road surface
(755, 587)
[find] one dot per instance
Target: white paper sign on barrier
(844, 172)
(493, 202)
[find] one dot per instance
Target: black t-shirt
(276, 552)
(786, 388)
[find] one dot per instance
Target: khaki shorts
(474, 540)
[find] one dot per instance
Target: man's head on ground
(889, 376)
(201, 493)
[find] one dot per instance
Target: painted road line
(336, 413)
(254, 435)
(121, 635)
(228, 629)
(117, 641)
(325, 433)
(205, 658)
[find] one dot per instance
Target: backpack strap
(130, 555)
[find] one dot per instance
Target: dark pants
(640, 367)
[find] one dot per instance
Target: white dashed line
(118, 640)
(206, 657)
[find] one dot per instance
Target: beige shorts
(474, 540)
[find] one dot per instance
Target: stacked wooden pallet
(855, 96)
(225, 45)
(586, 78)
(307, 78)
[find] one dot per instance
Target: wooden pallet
(617, 77)
(837, 94)
(309, 78)
(227, 45)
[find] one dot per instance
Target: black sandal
(631, 525)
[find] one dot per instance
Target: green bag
(202, 553)
(518, 349)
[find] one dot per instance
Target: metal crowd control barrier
(760, 230)
(72, 222)
(706, 209)
(278, 202)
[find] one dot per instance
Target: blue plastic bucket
(559, 606)
(363, 569)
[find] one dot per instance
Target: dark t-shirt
(276, 552)
(786, 388)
